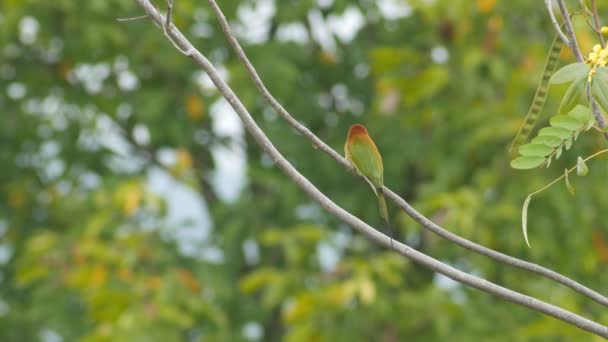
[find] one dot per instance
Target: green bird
(363, 154)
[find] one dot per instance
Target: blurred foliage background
(134, 208)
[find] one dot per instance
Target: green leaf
(548, 140)
(599, 90)
(581, 167)
(590, 124)
(256, 280)
(535, 150)
(424, 85)
(568, 143)
(570, 73)
(572, 95)
(556, 132)
(602, 73)
(581, 113)
(524, 219)
(568, 185)
(558, 152)
(567, 122)
(527, 162)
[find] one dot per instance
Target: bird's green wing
(367, 160)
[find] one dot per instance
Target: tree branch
(597, 27)
(558, 29)
(318, 143)
(304, 184)
(572, 42)
(425, 222)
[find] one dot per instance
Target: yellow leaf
(99, 275)
(125, 274)
(195, 108)
(257, 279)
(303, 332)
(188, 280)
(384, 86)
(77, 277)
(16, 198)
(486, 6)
(105, 329)
(41, 243)
(495, 23)
(308, 233)
(341, 293)
(302, 306)
(367, 291)
(328, 58)
(174, 315)
(272, 236)
(63, 70)
(78, 255)
(183, 159)
(132, 200)
(154, 283)
(28, 275)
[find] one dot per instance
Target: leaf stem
(596, 19)
(564, 175)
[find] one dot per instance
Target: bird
(361, 151)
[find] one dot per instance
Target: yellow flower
(593, 57)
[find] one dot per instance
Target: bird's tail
(384, 212)
(382, 205)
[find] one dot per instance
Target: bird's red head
(357, 129)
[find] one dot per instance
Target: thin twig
(566, 173)
(572, 41)
(597, 27)
(318, 143)
(346, 217)
(588, 14)
(133, 18)
(556, 25)
(595, 109)
(585, 11)
(598, 32)
(167, 24)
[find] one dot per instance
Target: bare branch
(571, 41)
(426, 223)
(132, 19)
(318, 143)
(167, 24)
(347, 217)
(597, 27)
(506, 259)
(558, 29)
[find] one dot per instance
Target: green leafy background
(89, 251)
